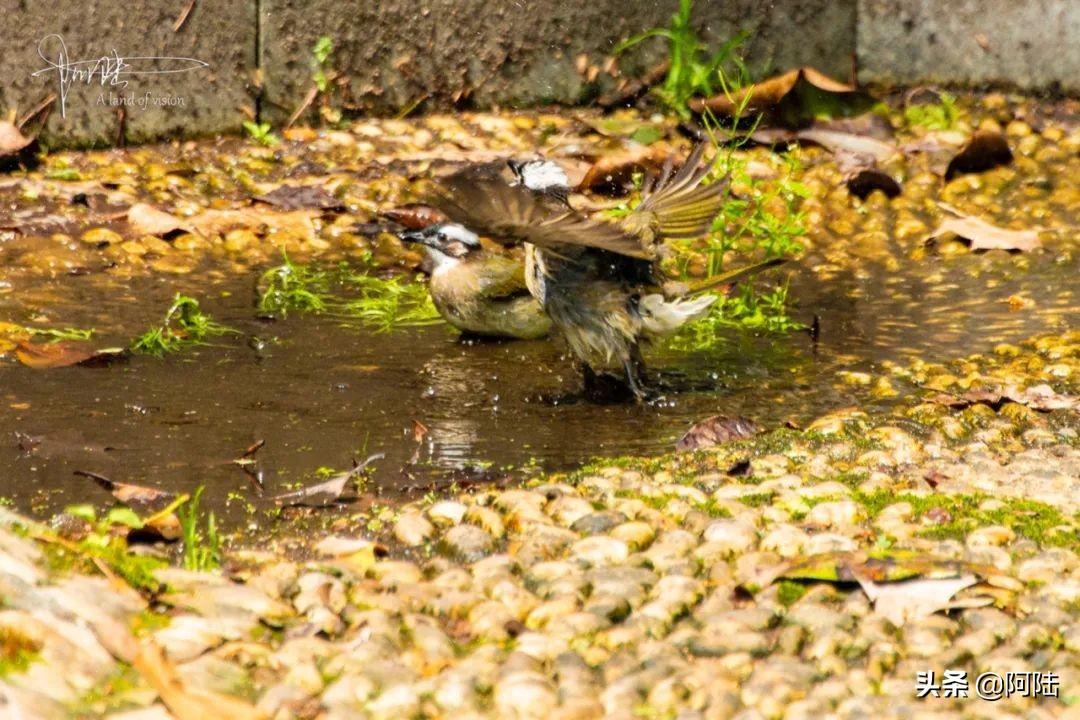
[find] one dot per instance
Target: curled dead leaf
(716, 430)
(768, 93)
(139, 498)
(12, 140)
(985, 150)
(985, 236)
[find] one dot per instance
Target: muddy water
(320, 393)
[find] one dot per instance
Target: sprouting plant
(293, 287)
(261, 133)
(320, 55)
(184, 324)
(202, 545)
(692, 70)
(941, 115)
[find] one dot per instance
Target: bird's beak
(414, 236)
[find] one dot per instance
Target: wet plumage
(599, 281)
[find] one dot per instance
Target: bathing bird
(599, 281)
(479, 291)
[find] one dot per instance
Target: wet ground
(320, 393)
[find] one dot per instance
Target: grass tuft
(184, 325)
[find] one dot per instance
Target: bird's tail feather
(663, 317)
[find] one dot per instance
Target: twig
(183, 16)
(308, 100)
(43, 108)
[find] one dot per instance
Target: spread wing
(513, 214)
(679, 206)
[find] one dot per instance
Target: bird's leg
(634, 367)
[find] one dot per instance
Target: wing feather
(678, 206)
(512, 214)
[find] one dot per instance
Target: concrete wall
(221, 33)
(482, 53)
(1028, 43)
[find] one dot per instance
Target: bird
(599, 281)
(479, 291)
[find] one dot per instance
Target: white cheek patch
(461, 234)
(543, 175)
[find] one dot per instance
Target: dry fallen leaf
(150, 662)
(337, 489)
(716, 430)
(12, 141)
(1037, 397)
(769, 93)
(900, 602)
(43, 356)
(984, 236)
(138, 498)
(148, 220)
(301, 197)
(985, 150)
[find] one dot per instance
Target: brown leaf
(716, 430)
(149, 660)
(147, 220)
(612, 173)
(837, 141)
(984, 236)
(139, 498)
(326, 494)
(629, 90)
(419, 430)
(301, 197)
(1037, 397)
(12, 141)
(415, 216)
(770, 93)
(985, 150)
(43, 356)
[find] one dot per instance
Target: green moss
(757, 499)
(1036, 521)
(17, 651)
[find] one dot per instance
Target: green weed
(353, 296)
(293, 287)
(202, 545)
(261, 133)
(693, 70)
(384, 304)
(941, 115)
(185, 324)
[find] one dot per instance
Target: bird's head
(445, 243)
(542, 176)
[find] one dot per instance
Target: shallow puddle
(320, 393)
